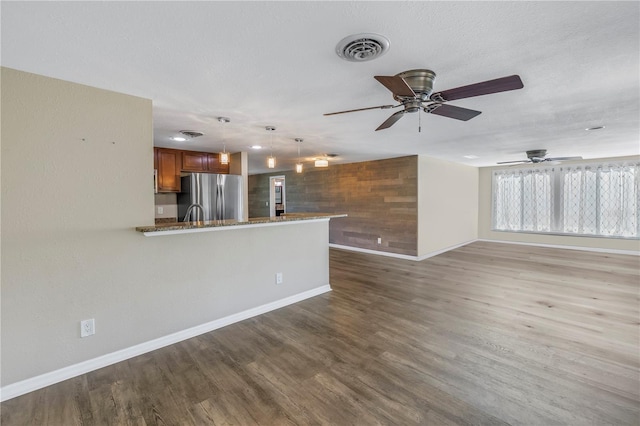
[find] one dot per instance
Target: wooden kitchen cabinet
(214, 166)
(168, 163)
(193, 161)
(203, 162)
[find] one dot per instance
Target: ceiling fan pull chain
(419, 120)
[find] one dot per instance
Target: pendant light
(299, 164)
(224, 155)
(271, 160)
(321, 162)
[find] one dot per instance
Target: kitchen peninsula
(144, 293)
(218, 225)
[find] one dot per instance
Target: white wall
(76, 179)
(447, 205)
(485, 232)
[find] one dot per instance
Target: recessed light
(256, 147)
(471, 157)
(179, 139)
(595, 128)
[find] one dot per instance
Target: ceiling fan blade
(391, 120)
(451, 111)
(562, 158)
(396, 85)
(503, 84)
(510, 162)
(363, 109)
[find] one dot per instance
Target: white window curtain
(601, 199)
(523, 200)
(578, 191)
(583, 199)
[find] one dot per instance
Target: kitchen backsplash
(167, 204)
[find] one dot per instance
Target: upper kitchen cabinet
(204, 162)
(214, 166)
(193, 161)
(168, 163)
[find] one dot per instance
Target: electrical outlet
(279, 278)
(379, 240)
(87, 327)
(266, 203)
(160, 210)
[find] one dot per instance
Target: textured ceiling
(273, 63)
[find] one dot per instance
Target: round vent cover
(191, 133)
(362, 47)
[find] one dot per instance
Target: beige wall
(75, 181)
(485, 232)
(447, 205)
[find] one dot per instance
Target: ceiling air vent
(362, 47)
(191, 133)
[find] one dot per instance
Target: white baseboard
(593, 249)
(444, 250)
(401, 256)
(29, 385)
(368, 251)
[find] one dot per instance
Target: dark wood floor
(485, 334)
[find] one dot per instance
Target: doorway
(277, 196)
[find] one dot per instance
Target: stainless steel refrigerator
(206, 196)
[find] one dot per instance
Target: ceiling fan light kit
(413, 90)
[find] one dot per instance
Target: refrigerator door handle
(198, 196)
(155, 181)
(220, 205)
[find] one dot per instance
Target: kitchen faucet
(190, 208)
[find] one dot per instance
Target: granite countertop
(176, 227)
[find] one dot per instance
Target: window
(589, 199)
(523, 200)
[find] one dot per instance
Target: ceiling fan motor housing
(420, 81)
(537, 155)
(412, 106)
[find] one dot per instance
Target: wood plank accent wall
(380, 197)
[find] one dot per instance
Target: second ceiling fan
(413, 90)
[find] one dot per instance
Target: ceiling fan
(538, 156)
(413, 90)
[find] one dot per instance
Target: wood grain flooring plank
(489, 333)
